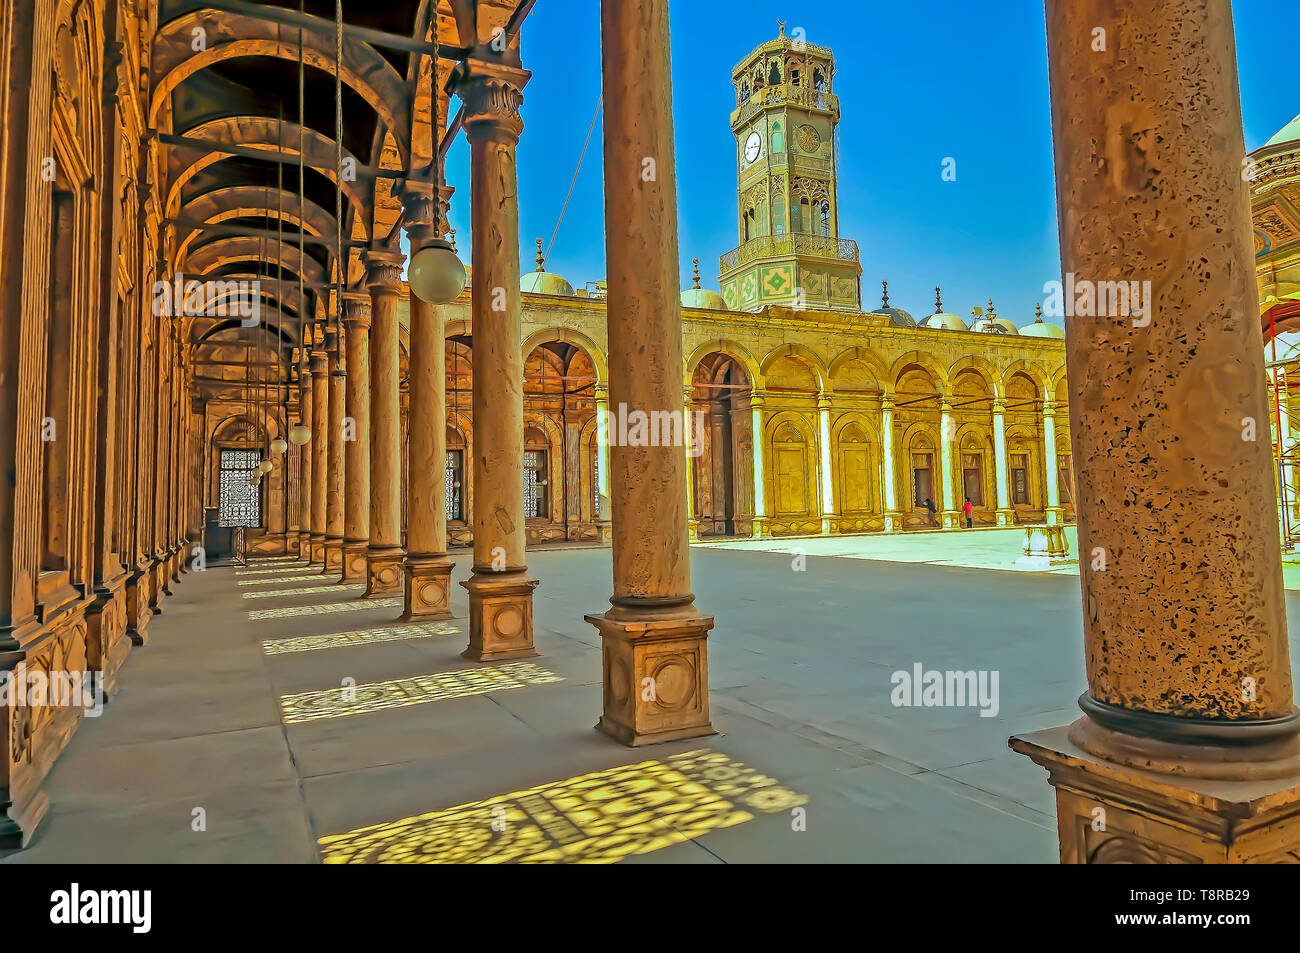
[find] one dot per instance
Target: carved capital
(356, 310)
(384, 270)
(493, 95)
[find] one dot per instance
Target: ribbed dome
(697, 297)
(1041, 328)
(990, 323)
(542, 282)
(897, 316)
(941, 318)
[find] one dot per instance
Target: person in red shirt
(969, 510)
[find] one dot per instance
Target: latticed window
(595, 483)
(534, 484)
(453, 483)
(1020, 479)
(241, 501)
(972, 465)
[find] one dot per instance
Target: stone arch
(233, 35)
(224, 250)
(805, 355)
(1033, 371)
(271, 135)
(569, 336)
(871, 360)
(981, 366)
(924, 361)
(791, 481)
(238, 201)
(855, 453)
(732, 349)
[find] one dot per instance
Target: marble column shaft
(384, 556)
(320, 441)
(356, 463)
(336, 471)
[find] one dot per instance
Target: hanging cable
(574, 181)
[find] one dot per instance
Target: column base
(951, 519)
(1053, 516)
(138, 612)
(383, 572)
(333, 557)
(317, 557)
(1006, 517)
(893, 521)
(304, 547)
(760, 527)
(656, 676)
(830, 525)
(1110, 812)
(693, 530)
(500, 615)
(354, 561)
(428, 588)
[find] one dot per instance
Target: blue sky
(917, 83)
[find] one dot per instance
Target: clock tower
(790, 252)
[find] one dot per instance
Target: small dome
(1041, 328)
(942, 319)
(897, 316)
(990, 323)
(542, 282)
(1286, 134)
(697, 297)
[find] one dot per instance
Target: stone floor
(233, 720)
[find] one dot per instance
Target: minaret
(790, 252)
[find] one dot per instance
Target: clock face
(753, 146)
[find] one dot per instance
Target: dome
(697, 297)
(1286, 134)
(942, 319)
(897, 316)
(1041, 328)
(541, 282)
(990, 323)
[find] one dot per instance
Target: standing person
(969, 510)
(929, 506)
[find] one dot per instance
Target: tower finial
(781, 25)
(695, 262)
(540, 259)
(884, 292)
(938, 301)
(451, 238)
(992, 314)
(1038, 312)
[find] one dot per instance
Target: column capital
(999, 405)
(319, 361)
(886, 402)
(600, 391)
(824, 400)
(424, 206)
(383, 270)
(945, 404)
(1051, 408)
(757, 399)
(356, 310)
(493, 94)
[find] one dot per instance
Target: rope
(583, 155)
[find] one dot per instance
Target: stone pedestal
(500, 615)
(656, 678)
(428, 588)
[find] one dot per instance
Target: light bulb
(279, 445)
(266, 466)
(299, 435)
(435, 274)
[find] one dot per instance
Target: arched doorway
(721, 425)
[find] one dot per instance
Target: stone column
(428, 570)
(356, 463)
(320, 443)
(893, 518)
(655, 663)
(757, 401)
(602, 454)
(1052, 512)
(335, 472)
(947, 433)
(384, 555)
(1006, 516)
(1188, 749)
(830, 522)
(500, 589)
(692, 518)
(307, 415)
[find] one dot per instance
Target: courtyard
(449, 760)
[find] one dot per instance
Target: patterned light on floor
(383, 633)
(596, 818)
(401, 692)
(262, 572)
(302, 591)
(356, 605)
(275, 580)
